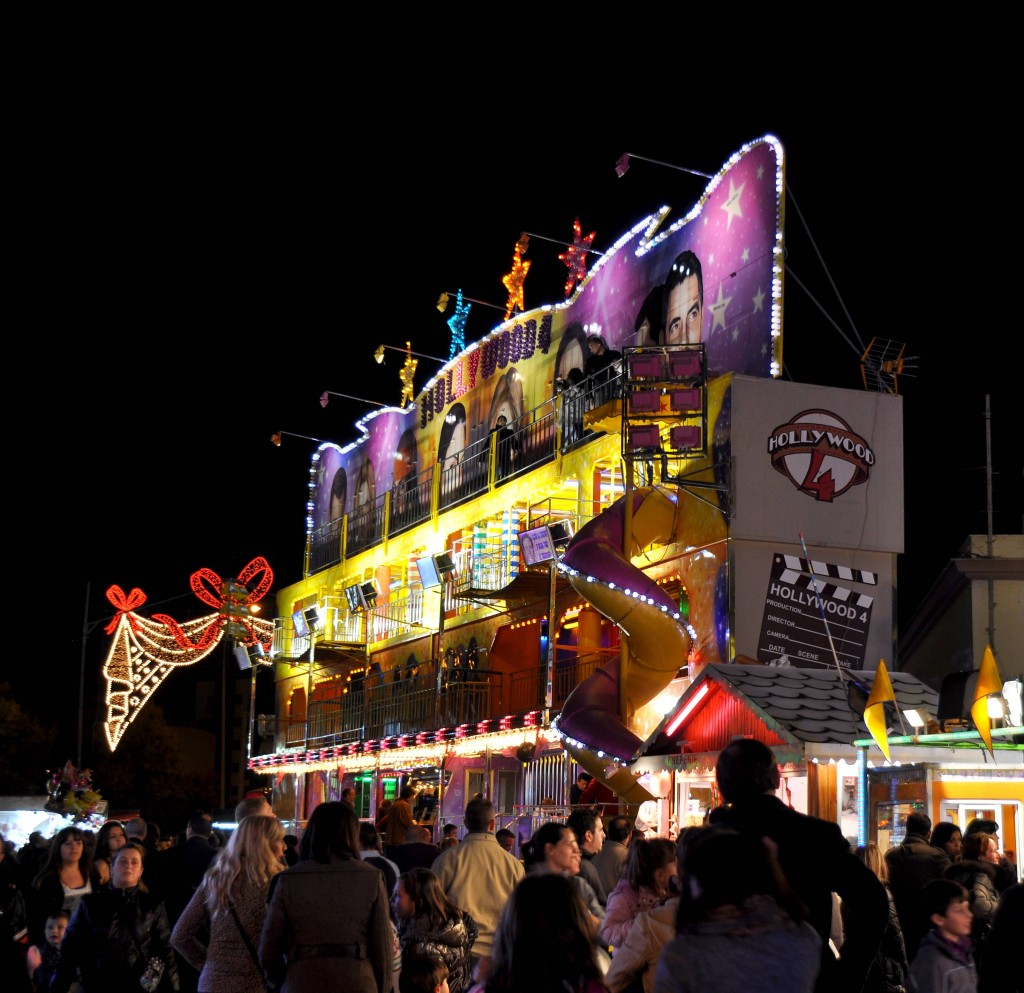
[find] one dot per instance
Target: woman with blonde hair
(230, 906)
(890, 966)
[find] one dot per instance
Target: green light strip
(961, 738)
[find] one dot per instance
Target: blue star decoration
(457, 326)
(575, 256)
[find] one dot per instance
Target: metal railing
(374, 709)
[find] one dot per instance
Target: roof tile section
(814, 706)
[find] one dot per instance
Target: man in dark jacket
(589, 830)
(175, 875)
(912, 863)
(815, 858)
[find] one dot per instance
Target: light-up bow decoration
(145, 651)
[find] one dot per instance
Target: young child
(423, 974)
(42, 962)
(945, 961)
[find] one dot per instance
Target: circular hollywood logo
(820, 454)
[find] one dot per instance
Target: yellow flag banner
(874, 709)
(988, 684)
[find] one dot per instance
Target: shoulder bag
(248, 944)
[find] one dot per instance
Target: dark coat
(47, 898)
(817, 861)
(912, 863)
(110, 937)
(328, 928)
(452, 942)
(176, 872)
(979, 879)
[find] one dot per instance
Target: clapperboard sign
(803, 595)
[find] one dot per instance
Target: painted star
(718, 309)
(575, 256)
(759, 299)
(732, 204)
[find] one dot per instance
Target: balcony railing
(374, 710)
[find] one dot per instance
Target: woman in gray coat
(328, 926)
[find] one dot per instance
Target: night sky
(203, 277)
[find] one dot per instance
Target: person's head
(348, 794)
(746, 768)
(253, 854)
(981, 824)
(543, 937)
(502, 420)
(56, 925)
(109, 839)
(947, 836)
(651, 864)
(423, 974)
(419, 893)
(919, 823)
(369, 837)
(684, 301)
(454, 436)
(648, 321)
(596, 344)
(407, 792)
(332, 829)
(506, 839)
(619, 829)
(553, 845)
(946, 904)
(126, 867)
(136, 828)
(200, 825)
(720, 867)
(583, 779)
(871, 855)
(253, 805)
(589, 830)
(980, 847)
(67, 849)
(445, 843)
(450, 831)
(479, 815)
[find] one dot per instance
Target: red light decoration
(575, 256)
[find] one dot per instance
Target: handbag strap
(245, 936)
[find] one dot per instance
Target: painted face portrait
(339, 494)
(684, 313)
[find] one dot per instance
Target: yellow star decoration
(406, 374)
(513, 280)
(575, 256)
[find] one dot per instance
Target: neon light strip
(687, 710)
(933, 739)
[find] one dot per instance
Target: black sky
(211, 268)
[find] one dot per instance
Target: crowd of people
(759, 896)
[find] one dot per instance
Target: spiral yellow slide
(658, 640)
